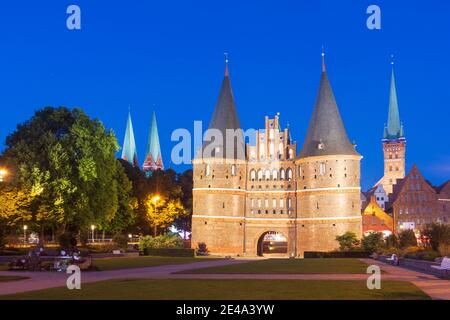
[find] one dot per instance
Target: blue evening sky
(170, 54)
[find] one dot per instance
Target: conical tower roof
(153, 156)
(129, 152)
(225, 117)
(394, 128)
(326, 134)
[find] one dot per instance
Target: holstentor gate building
(268, 198)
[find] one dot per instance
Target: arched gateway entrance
(272, 242)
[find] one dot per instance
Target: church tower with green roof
(153, 158)
(394, 142)
(129, 152)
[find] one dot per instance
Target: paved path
(45, 280)
(436, 288)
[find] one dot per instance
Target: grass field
(11, 278)
(228, 289)
(140, 262)
(289, 266)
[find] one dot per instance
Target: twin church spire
(153, 158)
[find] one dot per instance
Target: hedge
(169, 252)
(336, 254)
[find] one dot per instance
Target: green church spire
(153, 158)
(129, 152)
(394, 128)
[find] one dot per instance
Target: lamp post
(3, 173)
(25, 227)
(155, 200)
(93, 233)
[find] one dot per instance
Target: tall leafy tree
(65, 163)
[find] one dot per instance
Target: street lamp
(25, 227)
(93, 233)
(155, 200)
(3, 173)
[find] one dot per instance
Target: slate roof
(225, 117)
(326, 134)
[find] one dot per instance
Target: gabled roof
(326, 133)
(443, 188)
(402, 183)
(225, 117)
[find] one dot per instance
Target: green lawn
(139, 262)
(290, 266)
(11, 278)
(182, 289)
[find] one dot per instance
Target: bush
(67, 240)
(169, 252)
(169, 240)
(437, 234)
(391, 241)
(337, 254)
(121, 240)
(348, 241)
(444, 250)
(202, 250)
(428, 255)
(373, 242)
(407, 238)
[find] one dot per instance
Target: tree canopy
(64, 173)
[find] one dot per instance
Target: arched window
(260, 175)
(208, 170)
(289, 203)
(233, 170)
(282, 174)
(259, 203)
(267, 174)
(275, 174)
(252, 201)
(266, 203)
(252, 175)
(281, 203)
(274, 203)
(289, 174)
(291, 153)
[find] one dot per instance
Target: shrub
(437, 234)
(391, 241)
(169, 240)
(348, 241)
(373, 242)
(121, 240)
(202, 249)
(444, 250)
(67, 240)
(428, 255)
(407, 238)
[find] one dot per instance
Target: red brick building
(415, 202)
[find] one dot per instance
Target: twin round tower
(266, 199)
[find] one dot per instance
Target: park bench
(445, 265)
(393, 259)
